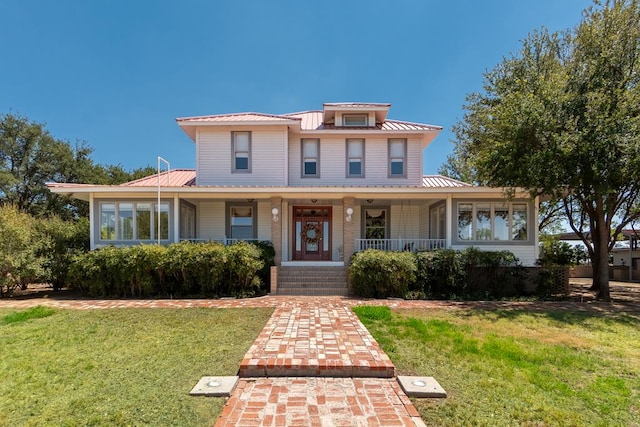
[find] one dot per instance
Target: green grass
(31, 313)
(504, 368)
(118, 366)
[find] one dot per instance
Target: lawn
(514, 367)
(118, 366)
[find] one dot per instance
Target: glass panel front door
(312, 233)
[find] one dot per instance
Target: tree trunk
(601, 260)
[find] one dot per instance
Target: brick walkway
(318, 402)
(315, 342)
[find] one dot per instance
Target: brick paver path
(316, 342)
(318, 402)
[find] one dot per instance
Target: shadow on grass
(565, 316)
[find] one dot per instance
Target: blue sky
(117, 73)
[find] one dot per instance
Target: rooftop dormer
(355, 114)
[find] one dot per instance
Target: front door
(312, 233)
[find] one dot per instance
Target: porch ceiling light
(349, 212)
(275, 213)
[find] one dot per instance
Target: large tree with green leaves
(561, 118)
(30, 157)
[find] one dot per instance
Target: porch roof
(182, 182)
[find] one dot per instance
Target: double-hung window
(355, 158)
(486, 221)
(311, 158)
(397, 158)
(241, 221)
(241, 151)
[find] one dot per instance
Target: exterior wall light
(275, 213)
(349, 214)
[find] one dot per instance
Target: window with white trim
(311, 158)
(355, 158)
(398, 158)
(355, 120)
(133, 221)
(241, 221)
(497, 221)
(241, 151)
(376, 223)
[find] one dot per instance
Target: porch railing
(225, 241)
(412, 245)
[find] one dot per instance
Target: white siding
(423, 225)
(211, 222)
(405, 221)
(333, 163)
(214, 157)
(526, 254)
(264, 220)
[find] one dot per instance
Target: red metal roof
(312, 120)
(173, 178)
(236, 117)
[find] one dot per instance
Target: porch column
(276, 228)
(176, 218)
(93, 217)
(449, 218)
(348, 234)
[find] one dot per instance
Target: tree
(562, 118)
(30, 157)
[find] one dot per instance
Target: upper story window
(241, 151)
(485, 221)
(355, 120)
(311, 158)
(355, 157)
(398, 158)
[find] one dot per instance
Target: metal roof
(357, 104)
(312, 120)
(172, 178)
(441, 181)
(236, 117)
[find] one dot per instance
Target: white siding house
(320, 185)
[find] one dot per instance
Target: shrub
(380, 274)
(21, 250)
(185, 269)
(242, 264)
(267, 254)
(441, 273)
(68, 238)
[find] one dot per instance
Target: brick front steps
(312, 281)
(315, 342)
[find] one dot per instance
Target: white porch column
(176, 218)
(449, 218)
(92, 223)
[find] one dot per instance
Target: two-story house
(320, 185)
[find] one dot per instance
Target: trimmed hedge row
(441, 274)
(180, 269)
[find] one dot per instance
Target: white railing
(412, 245)
(225, 241)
